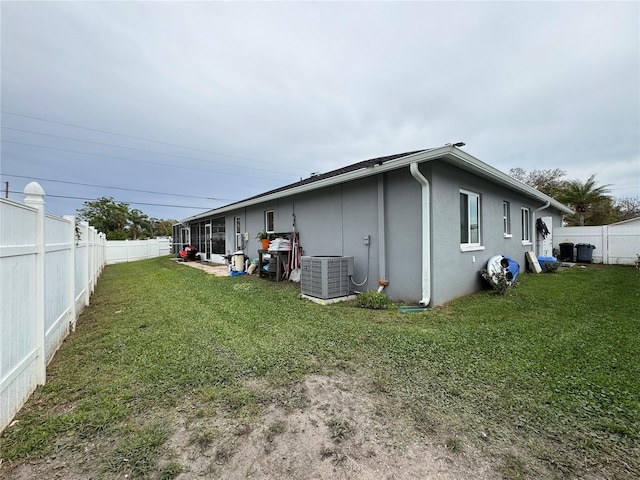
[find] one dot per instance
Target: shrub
(374, 300)
(551, 267)
(499, 282)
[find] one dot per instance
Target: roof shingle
(349, 168)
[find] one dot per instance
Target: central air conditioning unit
(326, 277)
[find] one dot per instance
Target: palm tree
(582, 197)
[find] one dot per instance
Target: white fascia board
(452, 154)
(496, 175)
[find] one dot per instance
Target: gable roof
(374, 166)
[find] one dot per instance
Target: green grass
(544, 380)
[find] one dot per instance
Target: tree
(548, 181)
(117, 222)
(139, 226)
(161, 228)
(589, 201)
(107, 216)
(586, 198)
(627, 208)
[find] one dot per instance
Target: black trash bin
(584, 252)
(566, 252)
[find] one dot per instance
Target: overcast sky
(215, 102)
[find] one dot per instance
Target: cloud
(289, 88)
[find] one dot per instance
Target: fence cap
(33, 193)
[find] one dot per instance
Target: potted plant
(264, 239)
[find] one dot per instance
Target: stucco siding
(335, 219)
(404, 236)
(360, 218)
(453, 273)
(332, 221)
(456, 273)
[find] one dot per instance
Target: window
(469, 220)
(506, 219)
(268, 221)
(526, 225)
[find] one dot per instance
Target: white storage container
(238, 261)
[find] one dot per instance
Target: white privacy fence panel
(81, 273)
(120, 251)
(18, 336)
(615, 244)
(576, 235)
(47, 273)
(624, 244)
(58, 304)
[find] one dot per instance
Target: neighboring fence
(615, 244)
(49, 267)
(120, 251)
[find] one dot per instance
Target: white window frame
(506, 219)
(268, 213)
(472, 197)
(525, 225)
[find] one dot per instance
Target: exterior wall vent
(326, 277)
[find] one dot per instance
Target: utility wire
(120, 201)
(181, 167)
(137, 138)
(114, 188)
(129, 148)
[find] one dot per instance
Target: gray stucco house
(432, 219)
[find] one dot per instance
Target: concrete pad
(328, 301)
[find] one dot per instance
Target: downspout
(426, 235)
(382, 248)
(533, 227)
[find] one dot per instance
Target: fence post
(71, 290)
(34, 197)
(103, 250)
(92, 262)
(85, 254)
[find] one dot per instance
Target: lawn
(540, 383)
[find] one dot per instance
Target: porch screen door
(207, 241)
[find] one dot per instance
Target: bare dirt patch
(341, 432)
(322, 428)
(211, 268)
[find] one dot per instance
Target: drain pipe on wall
(382, 243)
(426, 234)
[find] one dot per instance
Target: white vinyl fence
(615, 244)
(49, 267)
(121, 251)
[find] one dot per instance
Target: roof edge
(511, 182)
(447, 152)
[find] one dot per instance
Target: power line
(127, 148)
(120, 201)
(137, 138)
(114, 188)
(181, 167)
